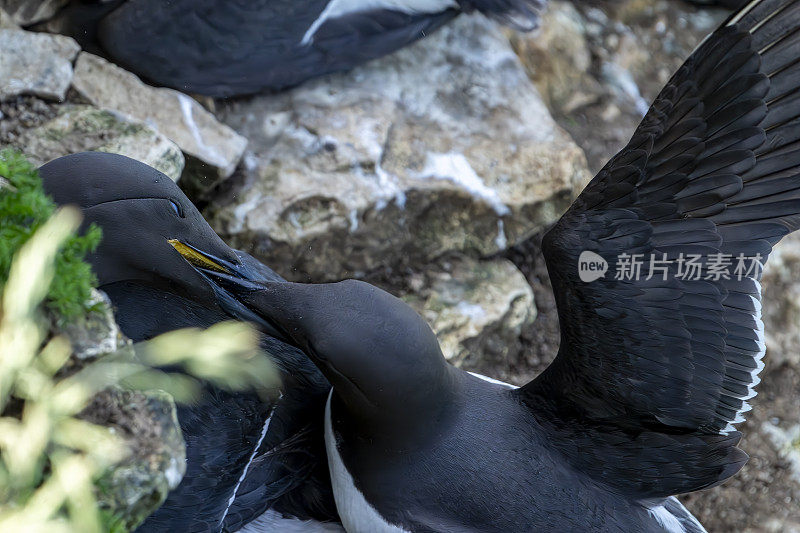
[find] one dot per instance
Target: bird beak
(221, 273)
(228, 280)
(200, 260)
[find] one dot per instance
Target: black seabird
(233, 47)
(245, 456)
(654, 369)
(727, 4)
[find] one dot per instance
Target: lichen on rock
(81, 128)
(147, 422)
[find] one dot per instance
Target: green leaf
(24, 207)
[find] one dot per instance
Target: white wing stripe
(339, 8)
(250, 461)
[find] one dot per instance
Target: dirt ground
(20, 114)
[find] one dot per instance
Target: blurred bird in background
(225, 48)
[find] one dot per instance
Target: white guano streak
(454, 167)
(210, 152)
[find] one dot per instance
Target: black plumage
(155, 290)
(233, 47)
(729, 4)
(667, 367)
(654, 370)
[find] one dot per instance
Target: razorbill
(655, 269)
(246, 456)
(233, 47)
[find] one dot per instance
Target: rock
(557, 57)
(35, 63)
(25, 12)
(477, 309)
(444, 146)
(781, 297)
(653, 38)
(181, 119)
(633, 47)
(147, 422)
(6, 22)
(787, 442)
(95, 334)
(79, 128)
(21, 114)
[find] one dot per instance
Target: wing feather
(654, 370)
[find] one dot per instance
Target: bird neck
(405, 413)
(143, 312)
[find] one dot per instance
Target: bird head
(152, 233)
(381, 357)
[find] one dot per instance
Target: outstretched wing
(654, 370)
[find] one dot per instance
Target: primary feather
(654, 373)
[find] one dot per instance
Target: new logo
(591, 266)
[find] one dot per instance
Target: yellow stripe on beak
(197, 259)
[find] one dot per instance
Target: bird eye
(176, 208)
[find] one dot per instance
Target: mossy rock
(147, 421)
(81, 128)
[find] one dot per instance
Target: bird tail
(683, 516)
(518, 14)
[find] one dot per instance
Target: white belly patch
(357, 515)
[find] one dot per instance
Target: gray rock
(148, 423)
(443, 146)
(477, 309)
(79, 128)
(35, 63)
(25, 12)
(557, 57)
(95, 334)
(177, 116)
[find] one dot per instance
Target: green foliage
(52, 462)
(24, 208)
(48, 456)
